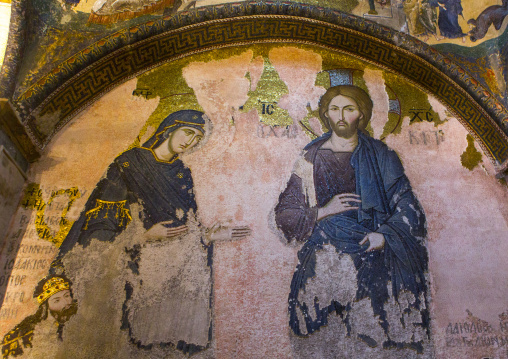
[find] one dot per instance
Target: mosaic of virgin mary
(168, 271)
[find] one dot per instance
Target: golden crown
(52, 286)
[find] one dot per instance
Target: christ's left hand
(376, 241)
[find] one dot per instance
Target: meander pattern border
(83, 78)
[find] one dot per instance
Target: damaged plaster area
(353, 330)
(139, 299)
(177, 299)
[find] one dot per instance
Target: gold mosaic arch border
(149, 45)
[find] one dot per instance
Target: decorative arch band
(82, 79)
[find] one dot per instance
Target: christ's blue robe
(388, 206)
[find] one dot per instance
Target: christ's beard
(63, 315)
(345, 131)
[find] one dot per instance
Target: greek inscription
(31, 264)
(30, 249)
(30, 233)
(13, 297)
(468, 327)
(8, 313)
(33, 200)
(267, 108)
(142, 92)
(26, 264)
(264, 131)
(17, 235)
(495, 341)
(420, 115)
(9, 263)
(475, 334)
(24, 220)
(12, 280)
(426, 138)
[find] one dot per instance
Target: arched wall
(48, 105)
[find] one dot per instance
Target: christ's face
(344, 116)
(183, 139)
(60, 301)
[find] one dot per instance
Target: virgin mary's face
(344, 116)
(183, 139)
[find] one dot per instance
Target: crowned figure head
(49, 287)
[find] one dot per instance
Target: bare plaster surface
(466, 230)
(93, 139)
(246, 272)
(298, 69)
